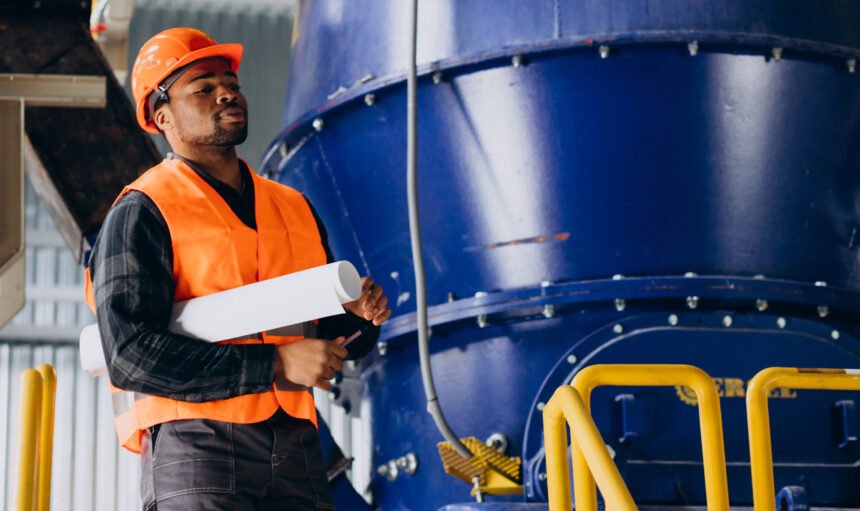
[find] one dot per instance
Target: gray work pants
(205, 465)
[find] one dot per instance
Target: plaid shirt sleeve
(132, 269)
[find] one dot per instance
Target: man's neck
(220, 163)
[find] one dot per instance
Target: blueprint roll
(281, 304)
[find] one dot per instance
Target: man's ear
(163, 118)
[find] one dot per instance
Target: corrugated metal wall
(263, 27)
(90, 472)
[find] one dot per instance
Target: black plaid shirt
(132, 270)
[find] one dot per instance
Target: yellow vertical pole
(584, 488)
(758, 418)
(555, 440)
(566, 406)
(758, 427)
(31, 407)
(46, 436)
(658, 375)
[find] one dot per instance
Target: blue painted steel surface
(565, 168)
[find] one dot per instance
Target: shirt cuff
(257, 367)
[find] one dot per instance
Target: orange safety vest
(214, 251)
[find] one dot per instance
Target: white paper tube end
(348, 287)
(92, 357)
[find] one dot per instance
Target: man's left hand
(372, 305)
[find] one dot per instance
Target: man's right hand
(310, 362)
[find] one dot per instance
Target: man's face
(206, 107)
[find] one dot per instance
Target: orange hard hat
(168, 51)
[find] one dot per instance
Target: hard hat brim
(231, 52)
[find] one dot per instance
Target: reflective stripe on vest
(214, 251)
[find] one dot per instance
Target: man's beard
(218, 137)
(221, 137)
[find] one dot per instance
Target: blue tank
(648, 181)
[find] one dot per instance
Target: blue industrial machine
(647, 181)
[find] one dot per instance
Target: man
(228, 425)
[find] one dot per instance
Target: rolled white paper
(92, 356)
(280, 304)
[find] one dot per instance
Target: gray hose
(433, 407)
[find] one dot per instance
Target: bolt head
(673, 319)
(727, 321)
(411, 463)
(604, 51)
(393, 471)
(691, 274)
(620, 304)
(542, 476)
(498, 442)
(834, 335)
(618, 329)
(318, 124)
(370, 99)
(693, 48)
(692, 302)
(820, 283)
(780, 322)
(541, 406)
(618, 276)
(571, 359)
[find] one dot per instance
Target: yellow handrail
(46, 436)
(758, 419)
(37, 438)
(565, 407)
(31, 409)
(658, 375)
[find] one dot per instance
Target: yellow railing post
(31, 408)
(46, 436)
(38, 391)
(658, 375)
(758, 418)
(565, 407)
